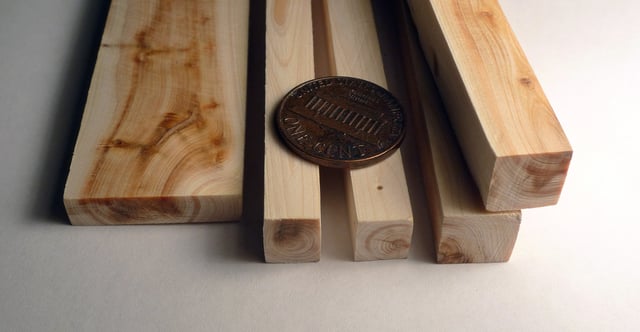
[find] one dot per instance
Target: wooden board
(162, 136)
(377, 196)
(464, 232)
(292, 231)
(515, 147)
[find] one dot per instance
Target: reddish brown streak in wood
(141, 44)
(280, 11)
(184, 111)
(289, 231)
(544, 172)
(170, 125)
(526, 82)
(133, 210)
(450, 252)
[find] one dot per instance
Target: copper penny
(341, 122)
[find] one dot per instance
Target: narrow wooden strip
(515, 147)
(292, 185)
(162, 136)
(464, 232)
(378, 199)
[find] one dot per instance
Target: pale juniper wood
(512, 141)
(464, 232)
(377, 196)
(291, 230)
(162, 135)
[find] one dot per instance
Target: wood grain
(291, 230)
(162, 135)
(512, 141)
(377, 196)
(464, 232)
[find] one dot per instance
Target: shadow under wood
(387, 14)
(66, 114)
(336, 235)
(253, 183)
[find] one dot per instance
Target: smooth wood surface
(291, 230)
(515, 147)
(464, 232)
(162, 136)
(377, 196)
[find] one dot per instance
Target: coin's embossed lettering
(340, 151)
(294, 127)
(319, 147)
(365, 99)
(305, 89)
(304, 138)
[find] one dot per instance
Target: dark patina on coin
(341, 122)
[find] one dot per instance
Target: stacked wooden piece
(162, 139)
(515, 147)
(464, 231)
(511, 141)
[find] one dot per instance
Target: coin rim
(333, 163)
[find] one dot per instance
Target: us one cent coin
(341, 122)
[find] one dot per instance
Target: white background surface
(574, 268)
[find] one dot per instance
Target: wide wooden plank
(162, 136)
(377, 196)
(511, 139)
(291, 230)
(464, 232)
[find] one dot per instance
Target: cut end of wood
(382, 240)
(527, 181)
(153, 210)
(292, 240)
(464, 231)
(481, 240)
